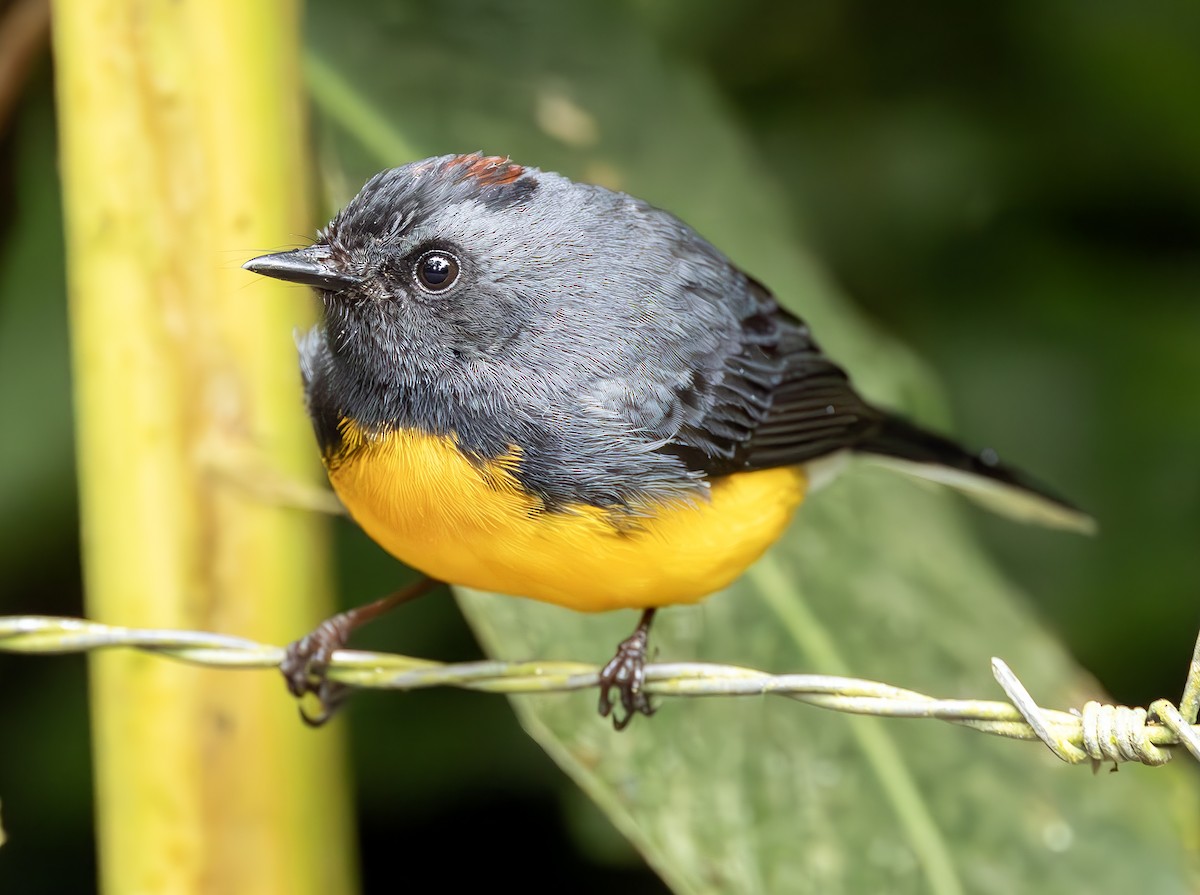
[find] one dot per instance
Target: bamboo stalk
(183, 153)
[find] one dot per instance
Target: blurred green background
(1013, 190)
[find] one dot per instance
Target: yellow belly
(429, 506)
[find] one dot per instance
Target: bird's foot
(626, 673)
(305, 664)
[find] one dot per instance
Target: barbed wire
(1097, 733)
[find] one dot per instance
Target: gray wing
(768, 397)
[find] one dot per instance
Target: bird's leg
(626, 672)
(306, 661)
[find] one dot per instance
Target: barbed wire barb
(1189, 703)
(1097, 733)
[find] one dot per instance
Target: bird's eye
(436, 271)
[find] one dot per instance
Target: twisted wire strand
(1098, 733)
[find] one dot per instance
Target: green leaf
(878, 578)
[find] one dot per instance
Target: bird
(549, 389)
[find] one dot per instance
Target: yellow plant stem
(183, 153)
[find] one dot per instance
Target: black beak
(312, 267)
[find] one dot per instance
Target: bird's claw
(626, 673)
(305, 667)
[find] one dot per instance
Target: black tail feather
(932, 456)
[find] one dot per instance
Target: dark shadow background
(1012, 189)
